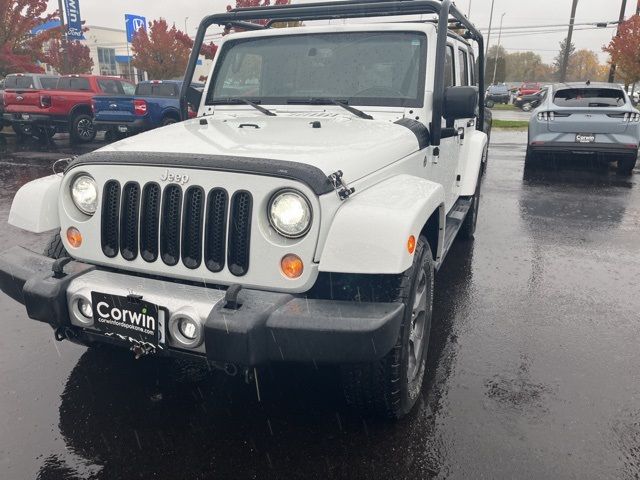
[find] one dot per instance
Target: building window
(107, 61)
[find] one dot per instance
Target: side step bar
(454, 221)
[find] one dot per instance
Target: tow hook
(140, 350)
(63, 333)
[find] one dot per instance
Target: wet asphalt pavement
(533, 367)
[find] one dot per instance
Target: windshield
(363, 68)
(589, 97)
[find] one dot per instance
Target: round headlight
(84, 193)
(290, 214)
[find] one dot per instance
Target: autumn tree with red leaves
(19, 49)
(58, 55)
(625, 50)
(263, 3)
(164, 52)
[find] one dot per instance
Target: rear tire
(82, 128)
(22, 131)
(626, 165)
(468, 228)
(391, 386)
(168, 121)
(55, 249)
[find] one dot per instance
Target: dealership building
(111, 54)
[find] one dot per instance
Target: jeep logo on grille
(167, 176)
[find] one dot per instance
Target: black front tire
(82, 128)
(391, 386)
(626, 165)
(490, 103)
(55, 249)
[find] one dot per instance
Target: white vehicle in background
(300, 217)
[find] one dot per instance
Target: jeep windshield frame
(291, 68)
(449, 17)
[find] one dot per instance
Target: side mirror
(460, 102)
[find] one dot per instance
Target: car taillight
(140, 107)
(45, 101)
(551, 116)
(626, 117)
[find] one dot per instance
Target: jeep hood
(356, 146)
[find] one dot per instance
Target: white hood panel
(353, 145)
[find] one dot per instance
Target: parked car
(18, 89)
(497, 94)
(595, 119)
(67, 107)
(3, 123)
(285, 223)
(529, 88)
(526, 103)
(154, 104)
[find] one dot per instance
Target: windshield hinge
(342, 189)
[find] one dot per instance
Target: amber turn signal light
(74, 237)
(411, 244)
(291, 266)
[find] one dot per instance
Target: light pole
(612, 70)
(486, 53)
(185, 25)
(567, 46)
(63, 34)
(469, 11)
(495, 66)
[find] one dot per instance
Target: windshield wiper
(331, 101)
(238, 101)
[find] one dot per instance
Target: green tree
(559, 60)
(498, 54)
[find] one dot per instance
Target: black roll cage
(448, 15)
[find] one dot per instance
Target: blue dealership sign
(134, 23)
(74, 22)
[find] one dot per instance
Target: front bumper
(267, 327)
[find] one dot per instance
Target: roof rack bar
(354, 9)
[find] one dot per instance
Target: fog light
(188, 328)
(85, 308)
(74, 237)
(291, 266)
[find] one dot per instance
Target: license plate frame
(131, 319)
(585, 138)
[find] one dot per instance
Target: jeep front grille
(173, 225)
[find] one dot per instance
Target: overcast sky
(519, 13)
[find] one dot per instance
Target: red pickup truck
(67, 107)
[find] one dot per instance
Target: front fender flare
(35, 205)
(369, 232)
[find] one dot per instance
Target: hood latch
(342, 189)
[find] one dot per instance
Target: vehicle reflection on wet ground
(532, 367)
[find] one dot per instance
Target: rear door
(589, 111)
(446, 170)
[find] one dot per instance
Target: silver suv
(590, 119)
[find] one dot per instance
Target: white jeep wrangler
(300, 217)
